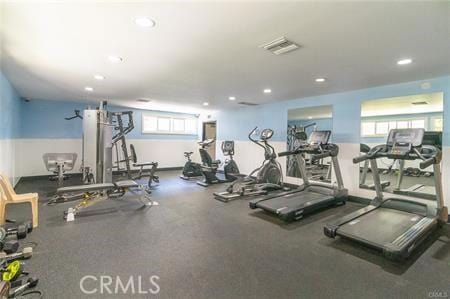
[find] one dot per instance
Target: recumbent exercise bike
(209, 166)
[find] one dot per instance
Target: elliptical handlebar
(251, 133)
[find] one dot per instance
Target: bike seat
(188, 153)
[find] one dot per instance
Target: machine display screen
(266, 134)
(228, 145)
(414, 137)
(319, 137)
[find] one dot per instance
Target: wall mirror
(380, 116)
(301, 122)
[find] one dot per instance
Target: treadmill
(433, 138)
(314, 195)
(364, 148)
(395, 226)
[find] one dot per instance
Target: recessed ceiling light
(88, 88)
(115, 59)
(99, 77)
(320, 80)
(267, 90)
(145, 22)
(309, 117)
(404, 61)
(205, 103)
(232, 98)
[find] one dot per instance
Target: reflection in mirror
(301, 122)
(380, 116)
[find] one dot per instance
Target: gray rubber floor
(203, 248)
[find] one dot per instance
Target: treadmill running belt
(379, 227)
(293, 201)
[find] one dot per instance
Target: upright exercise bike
(268, 176)
(191, 169)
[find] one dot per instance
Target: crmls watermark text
(106, 284)
(438, 294)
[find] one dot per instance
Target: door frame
(204, 127)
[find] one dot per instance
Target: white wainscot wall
(168, 153)
(8, 159)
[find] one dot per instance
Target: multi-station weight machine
(103, 133)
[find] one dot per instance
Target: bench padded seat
(98, 187)
(126, 184)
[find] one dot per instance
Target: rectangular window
(392, 125)
(178, 125)
(402, 125)
(159, 123)
(163, 124)
(382, 128)
(418, 124)
(437, 124)
(191, 126)
(149, 123)
(368, 128)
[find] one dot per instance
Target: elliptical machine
(268, 177)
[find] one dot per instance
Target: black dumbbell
(8, 246)
(20, 231)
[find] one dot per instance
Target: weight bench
(143, 172)
(94, 193)
(59, 163)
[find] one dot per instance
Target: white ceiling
(208, 51)
(404, 105)
(310, 113)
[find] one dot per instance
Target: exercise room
(224, 149)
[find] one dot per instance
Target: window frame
(391, 121)
(171, 118)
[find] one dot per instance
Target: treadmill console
(401, 141)
(319, 137)
(266, 134)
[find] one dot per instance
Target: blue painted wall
(45, 119)
(236, 123)
(9, 110)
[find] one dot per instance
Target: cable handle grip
(427, 162)
(360, 159)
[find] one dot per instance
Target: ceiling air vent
(280, 46)
(420, 103)
(247, 104)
